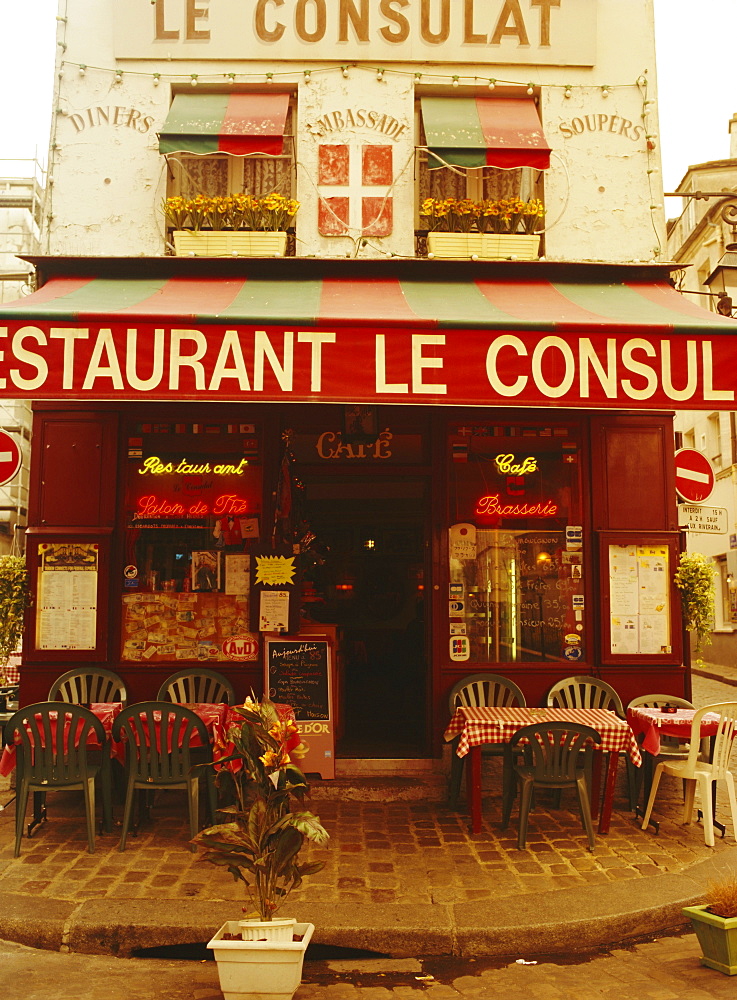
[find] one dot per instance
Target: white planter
(484, 246)
(205, 243)
(260, 970)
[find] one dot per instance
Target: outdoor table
(651, 724)
(479, 725)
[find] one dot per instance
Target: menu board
(639, 582)
(67, 596)
(298, 673)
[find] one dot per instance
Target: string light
(344, 71)
(308, 76)
(380, 75)
(455, 81)
(230, 77)
(605, 91)
(269, 77)
(118, 76)
(530, 88)
(157, 79)
(418, 77)
(82, 69)
(492, 84)
(193, 79)
(567, 92)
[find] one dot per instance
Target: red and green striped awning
(637, 307)
(484, 131)
(315, 331)
(225, 123)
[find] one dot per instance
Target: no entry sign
(694, 476)
(10, 458)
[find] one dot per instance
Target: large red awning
(345, 331)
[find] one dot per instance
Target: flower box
(209, 243)
(484, 246)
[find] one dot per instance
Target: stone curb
(563, 921)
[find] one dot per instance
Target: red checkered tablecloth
(477, 726)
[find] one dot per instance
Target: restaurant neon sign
(156, 467)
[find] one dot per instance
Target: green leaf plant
(14, 599)
(695, 580)
(260, 846)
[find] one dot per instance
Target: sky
(697, 81)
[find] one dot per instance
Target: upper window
(219, 144)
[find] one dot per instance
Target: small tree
(695, 580)
(14, 599)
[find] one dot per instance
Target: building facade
(702, 238)
(445, 464)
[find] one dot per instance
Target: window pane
(515, 543)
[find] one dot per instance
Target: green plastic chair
(480, 690)
(584, 691)
(52, 752)
(85, 686)
(164, 761)
(191, 686)
(553, 758)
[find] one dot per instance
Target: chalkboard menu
(298, 675)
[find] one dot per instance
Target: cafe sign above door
(539, 32)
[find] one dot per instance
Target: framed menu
(640, 606)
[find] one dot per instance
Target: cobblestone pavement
(380, 852)
(664, 969)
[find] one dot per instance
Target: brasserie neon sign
(493, 506)
(156, 467)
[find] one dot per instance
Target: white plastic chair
(704, 772)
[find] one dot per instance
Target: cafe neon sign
(492, 506)
(509, 465)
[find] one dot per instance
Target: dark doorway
(372, 586)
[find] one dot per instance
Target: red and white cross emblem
(354, 184)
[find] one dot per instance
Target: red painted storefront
(522, 458)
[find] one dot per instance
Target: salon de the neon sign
(155, 467)
(227, 505)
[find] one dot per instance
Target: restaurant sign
(541, 32)
(55, 360)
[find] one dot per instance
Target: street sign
(10, 458)
(697, 518)
(694, 476)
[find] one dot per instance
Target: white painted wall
(108, 178)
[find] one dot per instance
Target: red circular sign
(241, 647)
(694, 475)
(10, 458)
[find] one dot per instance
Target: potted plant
(715, 924)
(260, 956)
(230, 225)
(493, 229)
(695, 580)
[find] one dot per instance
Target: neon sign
(492, 506)
(508, 465)
(156, 467)
(226, 505)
